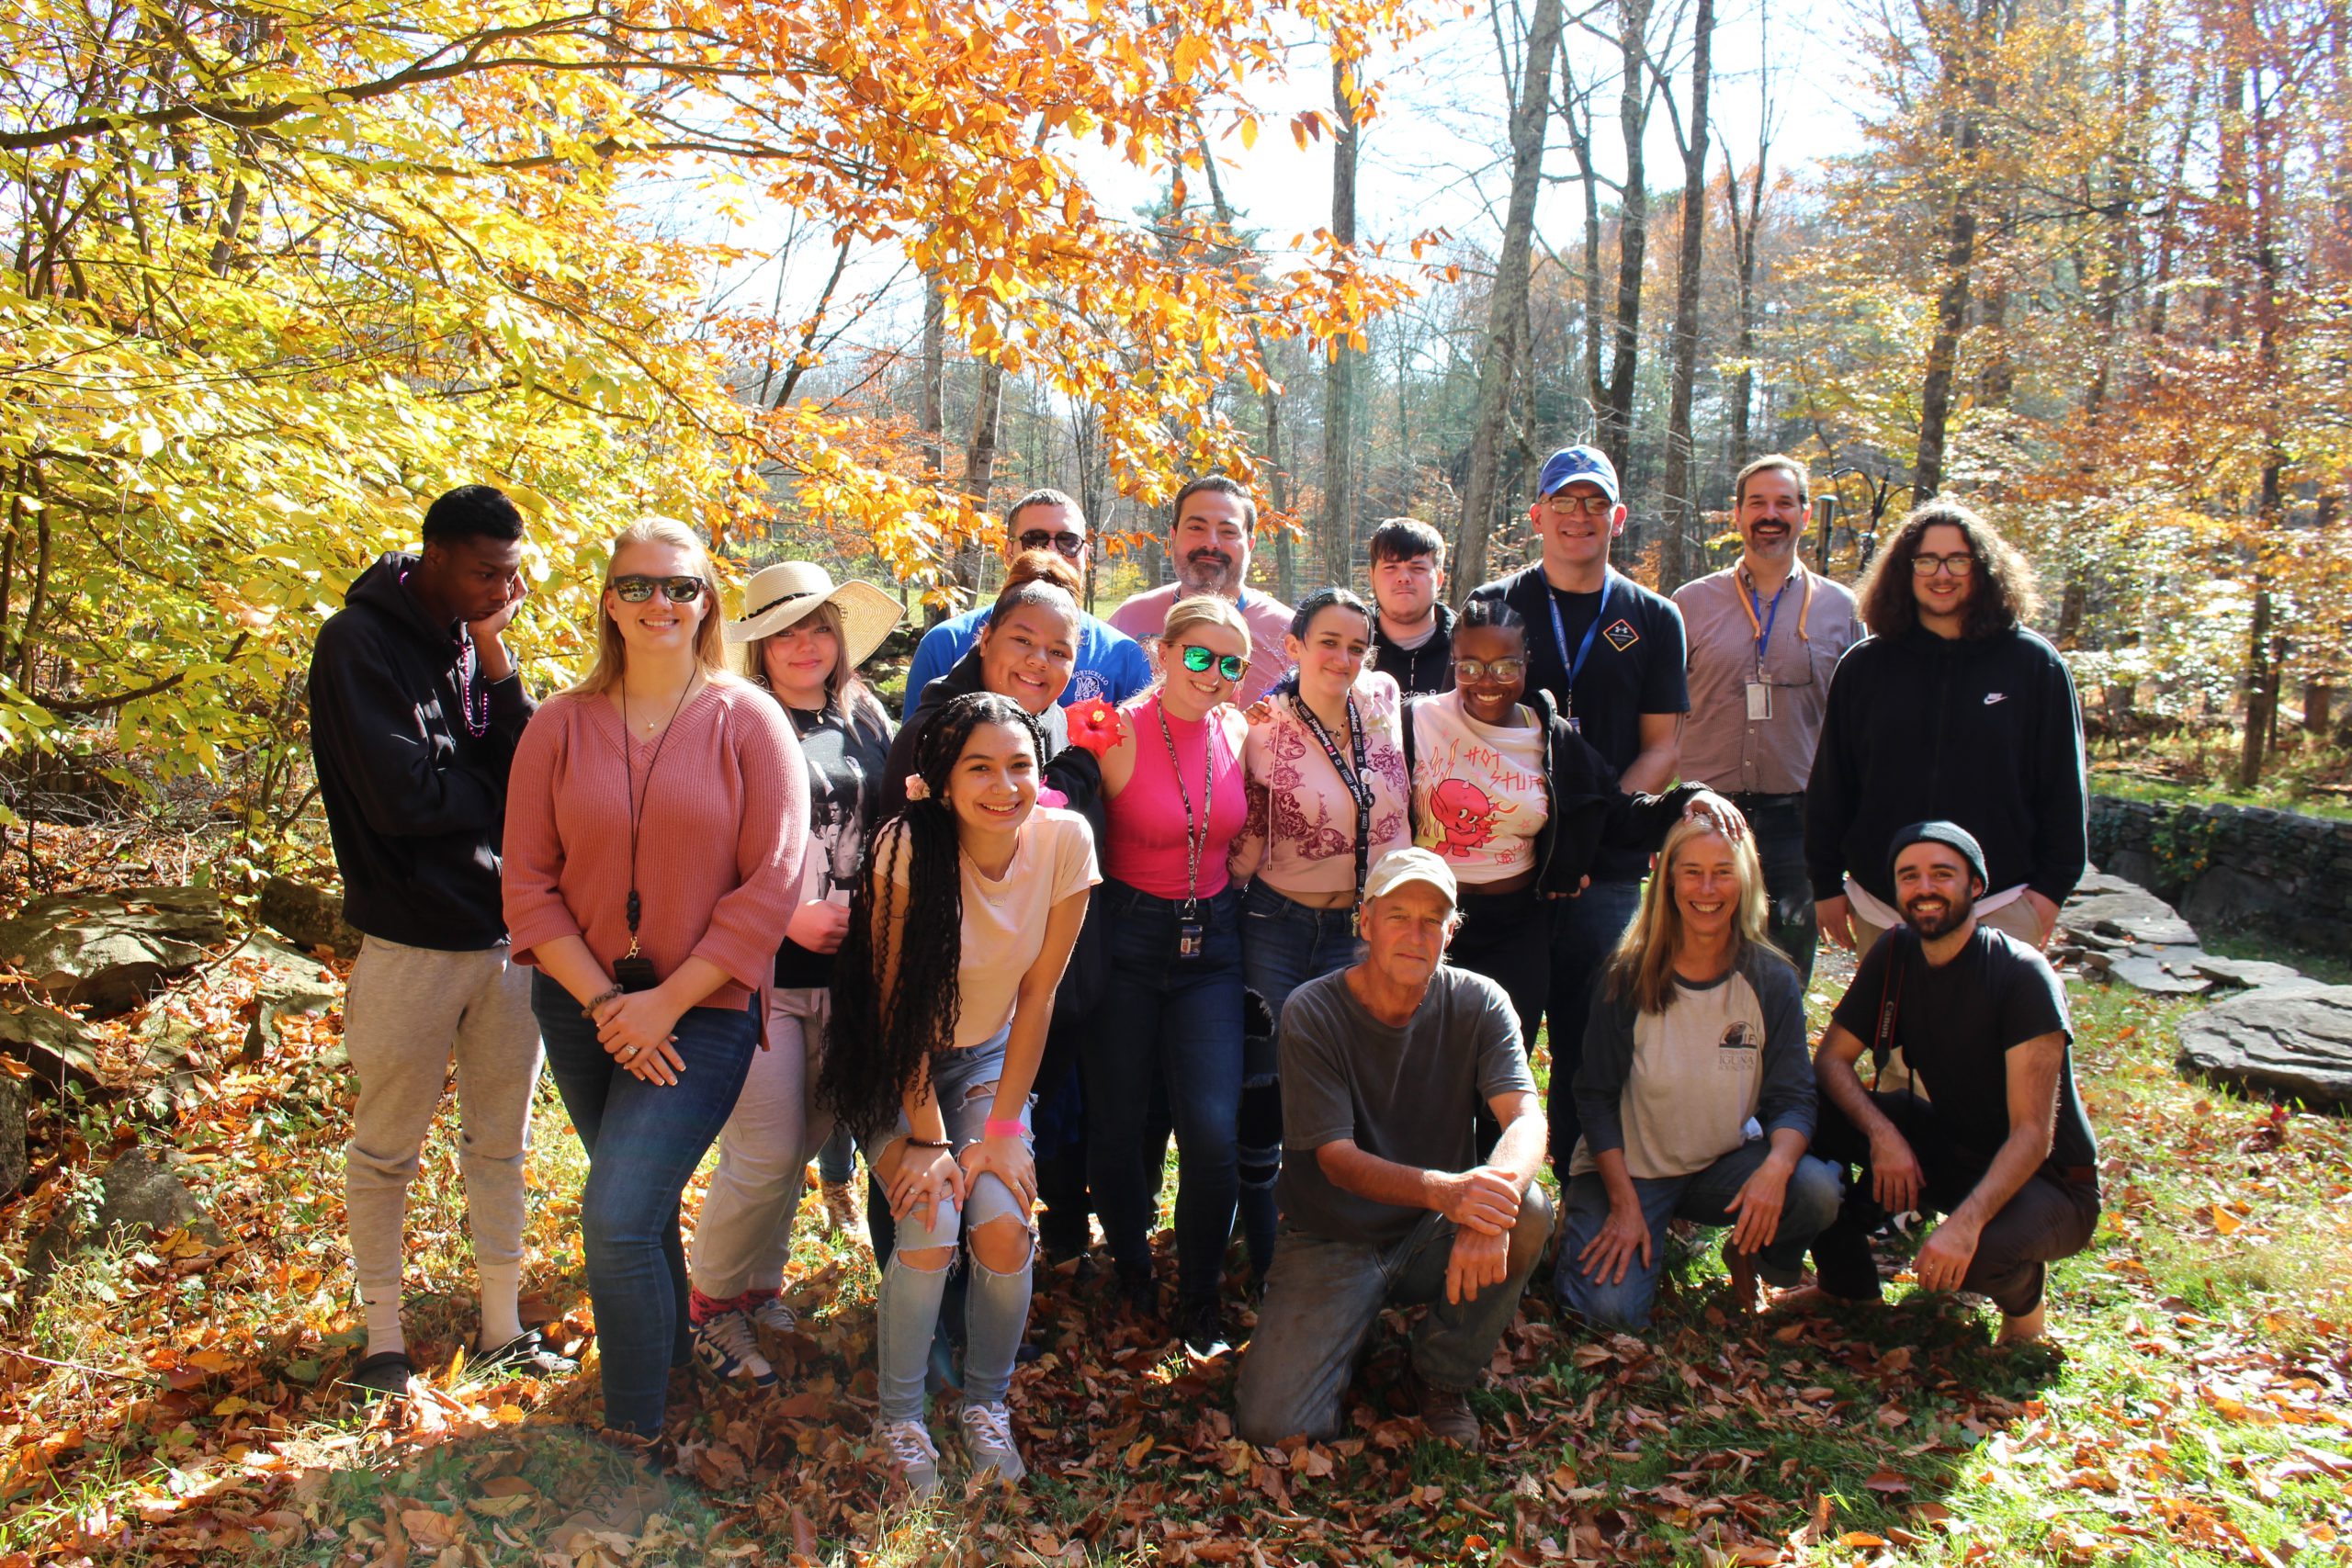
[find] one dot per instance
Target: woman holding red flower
(1174, 798)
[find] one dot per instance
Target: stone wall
(2277, 873)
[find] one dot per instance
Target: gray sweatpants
(406, 1012)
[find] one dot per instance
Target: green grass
(2191, 1407)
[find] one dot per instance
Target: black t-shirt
(1955, 1024)
(1636, 667)
(845, 765)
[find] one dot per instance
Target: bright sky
(1437, 157)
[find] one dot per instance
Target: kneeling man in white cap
(1384, 1202)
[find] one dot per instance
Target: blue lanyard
(1560, 630)
(1756, 613)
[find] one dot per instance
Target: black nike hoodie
(416, 803)
(1983, 731)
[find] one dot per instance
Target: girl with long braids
(804, 636)
(971, 900)
(655, 825)
(1329, 795)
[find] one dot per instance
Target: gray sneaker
(913, 1455)
(988, 1439)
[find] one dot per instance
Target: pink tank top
(1147, 848)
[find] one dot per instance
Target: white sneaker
(772, 1315)
(988, 1439)
(725, 1350)
(913, 1455)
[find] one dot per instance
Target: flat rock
(140, 1192)
(307, 917)
(2291, 1045)
(2135, 915)
(53, 1043)
(2155, 977)
(289, 983)
(2248, 972)
(2097, 884)
(109, 951)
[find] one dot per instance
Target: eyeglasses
(1470, 672)
(1229, 665)
(1065, 543)
(1928, 566)
(636, 589)
(1569, 505)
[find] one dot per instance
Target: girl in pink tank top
(1174, 800)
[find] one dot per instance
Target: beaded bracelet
(589, 1011)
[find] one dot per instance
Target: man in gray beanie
(2002, 1149)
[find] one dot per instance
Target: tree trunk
(1971, 74)
(935, 377)
(1481, 490)
(1632, 234)
(1339, 370)
(1681, 501)
(979, 471)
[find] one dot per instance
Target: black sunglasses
(1066, 543)
(637, 589)
(1198, 660)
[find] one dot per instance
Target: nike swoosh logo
(1992, 697)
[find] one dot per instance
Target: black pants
(1507, 937)
(1778, 821)
(2049, 1218)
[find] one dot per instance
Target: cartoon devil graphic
(1464, 817)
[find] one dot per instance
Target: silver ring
(626, 1052)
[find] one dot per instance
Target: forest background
(842, 278)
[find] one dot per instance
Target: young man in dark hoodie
(415, 709)
(1949, 709)
(1412, 638)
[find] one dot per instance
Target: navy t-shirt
(1636, 667)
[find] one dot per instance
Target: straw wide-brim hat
(778, 596)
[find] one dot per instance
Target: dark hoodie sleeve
(364, 728)
(2061, 829)
(1600, 1077)
(1829, 793)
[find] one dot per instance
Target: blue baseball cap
(1570, 464)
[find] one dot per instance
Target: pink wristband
(996, 1127)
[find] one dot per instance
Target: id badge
(1759, 700)
(635, 973)
(1576, 725)
(1192, 936)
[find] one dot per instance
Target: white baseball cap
(1399, 866)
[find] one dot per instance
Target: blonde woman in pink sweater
(655, 823)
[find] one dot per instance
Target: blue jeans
(644, 1141)
(996, 1306)
(1178, 1021)
(1284, 944)
(1584, 931)
(1325, 1295)
(1807, 1207)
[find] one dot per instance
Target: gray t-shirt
(1410, 1094)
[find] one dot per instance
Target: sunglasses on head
(1229, 665)
(1066, 543)
(636, 589)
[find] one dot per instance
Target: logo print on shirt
(1992, 697)
(1741, 1035)
(1622, 635)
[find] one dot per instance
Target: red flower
(1095, 725)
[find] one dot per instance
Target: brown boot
(1744, 1280)
(1446, 1413)
(840, 1207)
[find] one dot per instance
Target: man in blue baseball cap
(1610, 653)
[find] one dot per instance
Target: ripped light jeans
(996, 1306)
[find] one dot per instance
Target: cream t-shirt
(1004, 920)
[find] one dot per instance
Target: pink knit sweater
(724, 823)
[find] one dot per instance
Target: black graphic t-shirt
(845, 762)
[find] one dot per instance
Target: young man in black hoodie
(1412, 638)
(1949, 709)
(415, 709)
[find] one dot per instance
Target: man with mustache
(1765, 636)
(1209, 532)
(2003, 1150)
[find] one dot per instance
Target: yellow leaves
(1190, 51)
